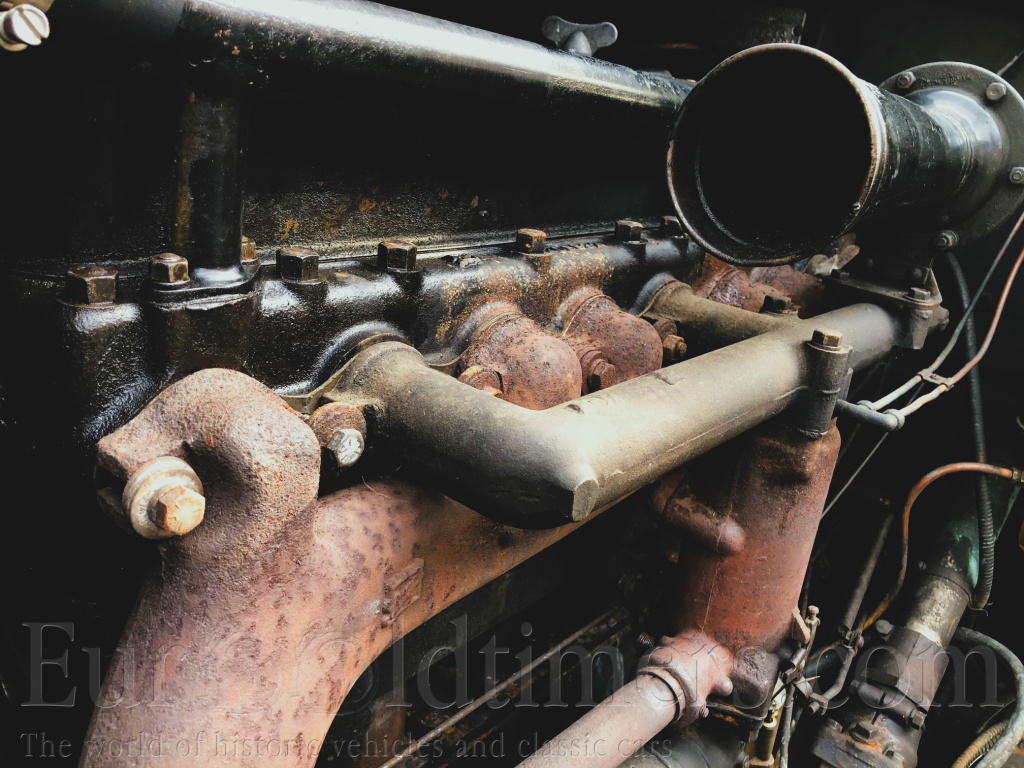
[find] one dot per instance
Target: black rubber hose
(1003, 747)
(986, 525)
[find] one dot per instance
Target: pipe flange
(148, 484)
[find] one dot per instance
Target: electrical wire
(917, 490)
(982, 745)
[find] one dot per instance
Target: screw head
(1017, 175)
(248, 250)
(905, 80)
(995, 91)
(671, 226)
(178, 510)
(23, 25)
(827, 339)
(531, 240)
(396, 256)
(90, 284)
(629, 231)
(168, 268)
(775, 304)
(674, 348)
(346, 446)
(946, 239)
(296, 264)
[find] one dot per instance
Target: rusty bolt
(774, 304)
(664, 327)
(481, 378)
(531, 240)
(674, 348)
(827, 339)
(946, 239)
(629, 231)
(178, 510)
(864, 731)
(1017, 175)
(396, 256)
(671, 226)
(296, 264)
(601, 375)
(905, 80)
(168, 268)
(341, 430)
(90, 284)
(995, 91)
(346, 446)
(248, 250)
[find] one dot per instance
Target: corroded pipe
(251, 633)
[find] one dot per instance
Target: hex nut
(827, 339)
(169, 269)
(919, 294)
(396, 256)
(674, 348)
(905, 80)
(671, 226)
(178, 510)
(297, 264)
(995, 91)
(1017, 175)
(629, 231)
(602, 375)
(947, 239)
(90, 284)
(248, 250)
(776, 304)
(531, 240)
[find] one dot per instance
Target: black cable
(986, 525)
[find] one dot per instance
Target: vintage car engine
(415, 385)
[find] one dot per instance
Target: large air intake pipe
(781, 149)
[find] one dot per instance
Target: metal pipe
(933, 148)
(546, 468)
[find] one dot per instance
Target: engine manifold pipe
(780, 149)
(538, 469)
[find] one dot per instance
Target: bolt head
(629, 231)
(919, 294)
(168, 268)
(1017, 175)
(883, 627)
(840, 275)
(346, 446)
(664, 327)
(296, 264)
(774, 304)
(905, 80)
(674, 348)
(178, 510)
(602, 375)
(90, 284)
(995, 91)
(531, 240)
(671, 226)
(827, 339)
(248, 250)
(946, 239)
(396, 256)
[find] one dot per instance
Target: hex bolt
(946, 239)
(346, 446)
(674, 348)
(776, 304)
(169, 269)
(1017, 175)
(396, 256)
(629, 231)
(995, 91)
(827, 339)
(90, 284)
(671, 226)
(296, 264)
(22, 26)
(601, 375)
(531, 240)
(919, 294)
(177, 510)
(248, 250)
(905, 80)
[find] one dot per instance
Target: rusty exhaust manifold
(780, 149)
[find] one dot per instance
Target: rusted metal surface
(747, 288)
(593, 320)
(532, 368)
(754, 505)
(257, 624)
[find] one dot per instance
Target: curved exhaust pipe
(781, 149)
